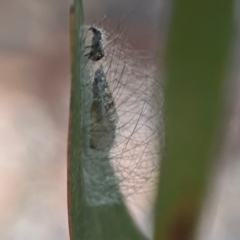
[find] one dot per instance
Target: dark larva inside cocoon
(103, 114)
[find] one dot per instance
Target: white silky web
(133, 160)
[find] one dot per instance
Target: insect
(104, 117)
(96, 49)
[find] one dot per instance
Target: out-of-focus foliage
(196, 61)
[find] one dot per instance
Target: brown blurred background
(34, 104)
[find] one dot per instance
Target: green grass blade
(75, 180)
(196, 62)
(105, 222)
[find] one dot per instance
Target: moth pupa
(104, 117)
(97, 44)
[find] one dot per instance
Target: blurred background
(34, 103)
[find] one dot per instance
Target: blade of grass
(74, 174)
(106, 222)
(196, 62)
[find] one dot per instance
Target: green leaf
(86, 222)
(196, 62)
